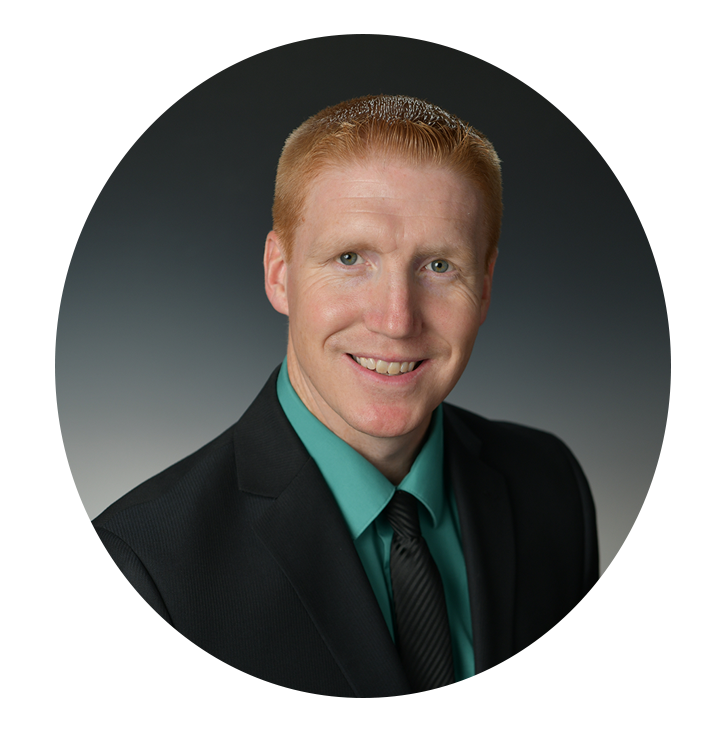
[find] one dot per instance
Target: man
(351, 535)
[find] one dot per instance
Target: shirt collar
(360, 490)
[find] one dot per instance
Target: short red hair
(403, 126)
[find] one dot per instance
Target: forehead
(391, 200)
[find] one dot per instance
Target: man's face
(387, 274)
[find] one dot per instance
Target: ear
(275, 273)
(487, 287)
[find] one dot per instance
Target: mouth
(390, 368)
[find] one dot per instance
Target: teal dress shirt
(362, 492)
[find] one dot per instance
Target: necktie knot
(402, 513)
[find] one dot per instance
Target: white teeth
(391, 368)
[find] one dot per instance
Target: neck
(392, 456)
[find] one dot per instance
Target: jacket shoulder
(544, 481)
(185, 477)
(499, 442)
(549, 497)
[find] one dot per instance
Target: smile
(391, 368)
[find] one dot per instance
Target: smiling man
(352, 534)
(385, 288)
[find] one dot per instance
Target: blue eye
(439, 266)
(348, 258)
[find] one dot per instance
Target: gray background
(165, 335)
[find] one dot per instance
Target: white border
(89, 663)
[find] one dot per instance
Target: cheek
(320, 309)
(455, 318)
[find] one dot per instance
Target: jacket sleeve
(134, 570)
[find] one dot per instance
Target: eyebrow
(329, 247)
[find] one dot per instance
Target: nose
(392, 306)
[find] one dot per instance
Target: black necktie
(421, 619)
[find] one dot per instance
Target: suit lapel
(488, 542)
(305, 532)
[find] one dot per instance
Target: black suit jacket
(243, 549)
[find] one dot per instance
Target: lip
(399, 379)
(384, 358)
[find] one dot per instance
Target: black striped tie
(421, 620)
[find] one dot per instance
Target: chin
(388, 422)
